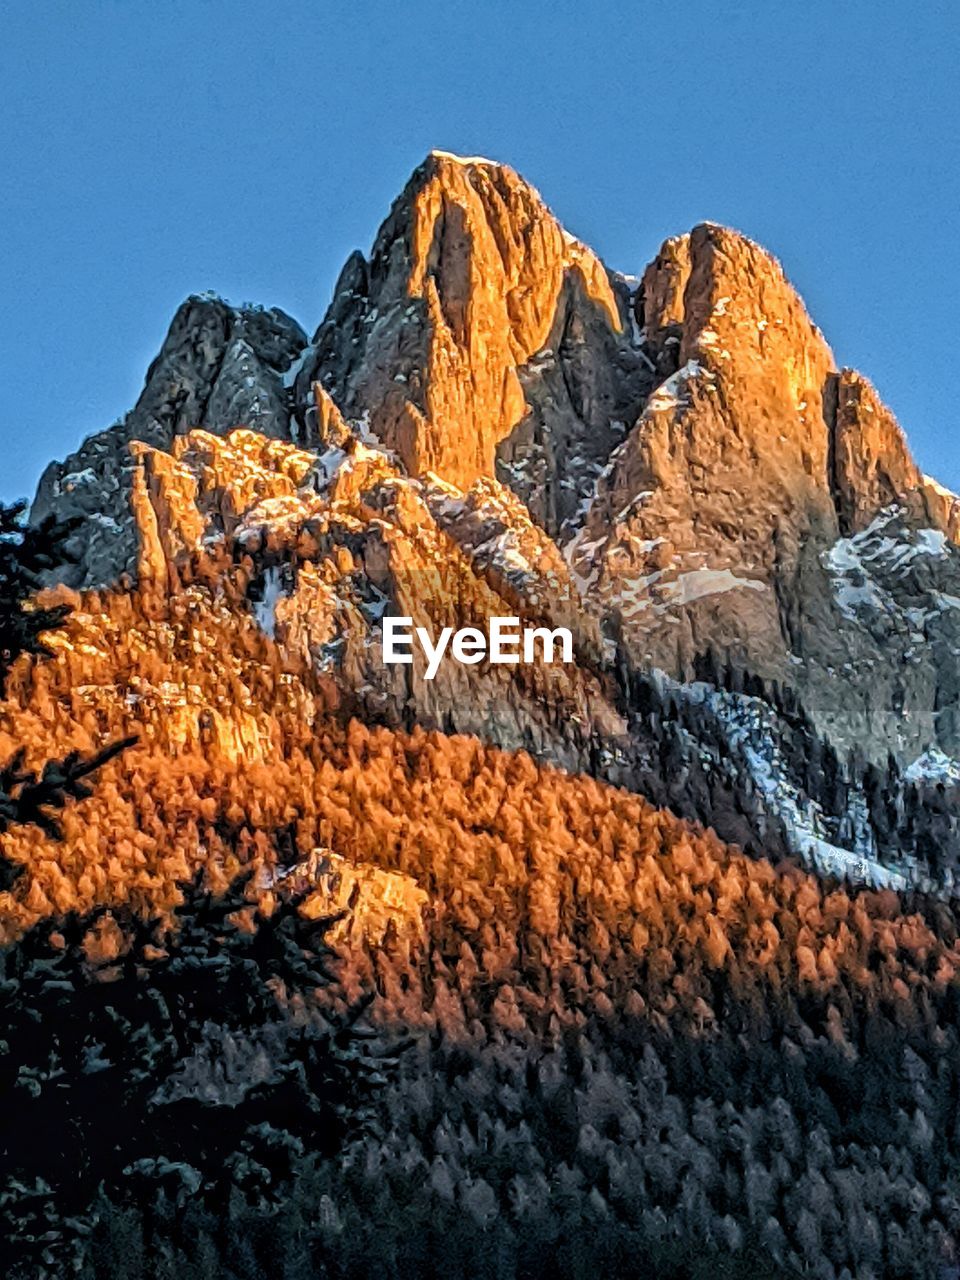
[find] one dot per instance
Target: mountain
(664, 938)
(489, 421)
(725, 520)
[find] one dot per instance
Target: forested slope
(621, 1026)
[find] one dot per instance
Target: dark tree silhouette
(28, 797)
(110, 1071)
(27, 554)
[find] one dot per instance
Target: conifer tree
(27, 554)
(110, 1075)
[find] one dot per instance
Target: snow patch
(451, 155)
(291, 375)
(853, 562)
(326, 467)
(750, 729)
(931, 542)
(697, 583)
(939, 488)
(668, 394)
(265, 609)
(933, 767)
(75, 479)
(503, 550)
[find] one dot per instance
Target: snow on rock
(669, 394)
(494, 528)
(933, 767)
(504, 550)
(306, 355)
(74, 479)
(931, 542)
(750, 728)
(864, 565)
(265, 609)
(584, 551)
(327, 465)
(282, 514)
(457, 159)
(691, 586)
(940, 489)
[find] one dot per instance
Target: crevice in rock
(830, 398)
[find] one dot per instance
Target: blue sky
(154, 150)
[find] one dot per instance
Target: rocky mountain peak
(680, 452)
(872, 463)
(722, 301)
(713, 525)
(432, 339)
(219, 366)
(716, 300)
(727, 470)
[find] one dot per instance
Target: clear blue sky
(151, 150)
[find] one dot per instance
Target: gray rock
(219, 367)
(584, 391)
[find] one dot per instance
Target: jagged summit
(712, 525)
(685, 439)
(441, 339)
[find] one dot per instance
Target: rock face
(872, 465)
(479, 329)
(713, 523)
(707, 509)
(219, 366)
(726, 472)
(674, 467)
(329, 544)
(370, 902)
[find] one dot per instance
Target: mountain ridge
(691, 485)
